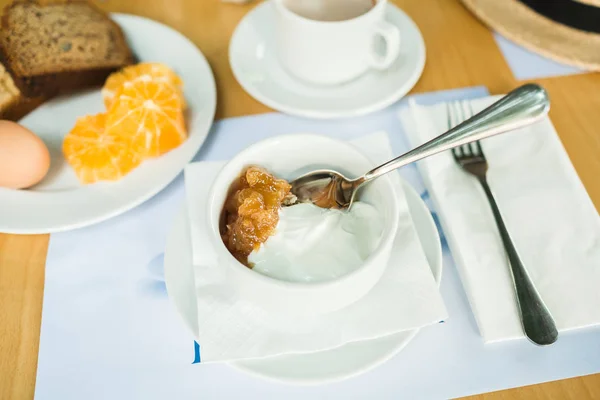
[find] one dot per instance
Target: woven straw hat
(567, 31)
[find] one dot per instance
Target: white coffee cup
(330, 52)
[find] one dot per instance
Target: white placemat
(109, 330)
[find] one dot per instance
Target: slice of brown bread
(52, 46)
(9, 94)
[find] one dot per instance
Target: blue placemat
(526, 64)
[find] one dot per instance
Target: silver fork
(536, 320)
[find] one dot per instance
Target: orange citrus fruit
(143, 71)
(96, 155)
(150, 115)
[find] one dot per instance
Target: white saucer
(60, 202)
(314, 368)
(256, 68)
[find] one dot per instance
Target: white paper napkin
(552, 221)
(232, 328)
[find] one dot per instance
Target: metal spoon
(522, 106)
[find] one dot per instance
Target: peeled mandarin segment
(95, 155)
(111, 87)
(149, 115)
(144, 71)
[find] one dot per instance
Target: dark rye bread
(56, 46)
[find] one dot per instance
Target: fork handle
(535, 317)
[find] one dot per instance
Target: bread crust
(58, 78)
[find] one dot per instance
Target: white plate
(60, 202)
(256, 68)
(314, 368)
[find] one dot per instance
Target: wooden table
(460, 52)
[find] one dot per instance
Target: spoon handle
(522, 106)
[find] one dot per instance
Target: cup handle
(391, 36)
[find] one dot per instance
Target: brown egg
(24, 158)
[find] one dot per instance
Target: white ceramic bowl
(288, 156)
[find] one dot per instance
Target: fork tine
(456, 114)
(468, 109)
(449, 113)
(474, 150)
(453, 120)
(477, 150)
(456, 117)
(453, 117)
(468, 156)
(456, 153)
(467, 112)
(466, 149)
(461, 117)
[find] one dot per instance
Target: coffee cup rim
(279, 4)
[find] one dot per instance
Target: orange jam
(251, 211)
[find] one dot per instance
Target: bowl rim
(390, 225)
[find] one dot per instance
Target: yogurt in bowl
(316, 260)
(312, 244)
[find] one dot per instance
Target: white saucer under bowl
(256, 68)
(313, 368)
